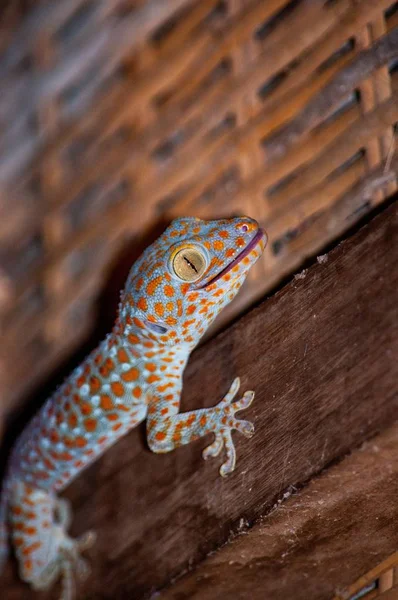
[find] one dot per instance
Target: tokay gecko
(173, 293)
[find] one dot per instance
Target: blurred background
(116, 116)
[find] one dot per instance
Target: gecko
(173, 292)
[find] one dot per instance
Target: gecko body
(173, 293)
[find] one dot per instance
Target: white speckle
(78, 371)
(77, 431)
(63, 427)
(125, 366)
(59, 446)
(114, 377)
(95, 400)
(84, 390)
(97, 412)
(45, 442)
(322, 259)
(112, 351)
(106, 387)
(301, 275)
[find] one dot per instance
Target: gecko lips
(260, 239)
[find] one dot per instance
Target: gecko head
(183, 280)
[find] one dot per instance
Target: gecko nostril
(244, 228)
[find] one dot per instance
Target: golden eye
(189, 264)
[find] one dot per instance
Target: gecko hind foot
(69, 565)
(225, 422)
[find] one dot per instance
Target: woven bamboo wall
(116, 114)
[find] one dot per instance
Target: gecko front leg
(167, 431)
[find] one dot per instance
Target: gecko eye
(189, 264)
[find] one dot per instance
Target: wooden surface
(322, 357)
(317, 542)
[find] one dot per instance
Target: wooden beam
(321, 355)
(318, 542)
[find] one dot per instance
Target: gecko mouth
(260, 235)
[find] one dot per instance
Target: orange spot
(159, 309)
(117, 426)
(65, 456)
(179, 307)
(171, 321)
(151, 367)
(86, 408)
(112, 417)
(170, 306)
(153, 378)
(203, 421)
(17, 510)
(81, 442)
(184, 287)
(153, 285)
(148, 344)
(160, 435)
(28, 565)
(80, 381)
(218, 245)
(142, 304)
(191, 309)
(54, 437)
(90, 424)
(18, 542)
(69, 443)
(117, 388)
(95, 384)
(224, 234)
(98, 359)
(137, 392)
(139, 283)
(176, 437)
(106, 403)
(240, 242)
(169, 291)
(230, 253)
(133, 339)
(122, 356)
(130, 375)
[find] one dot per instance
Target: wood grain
(322, 357)
(317, 542)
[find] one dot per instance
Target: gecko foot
(224, 422)
(68, 565)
